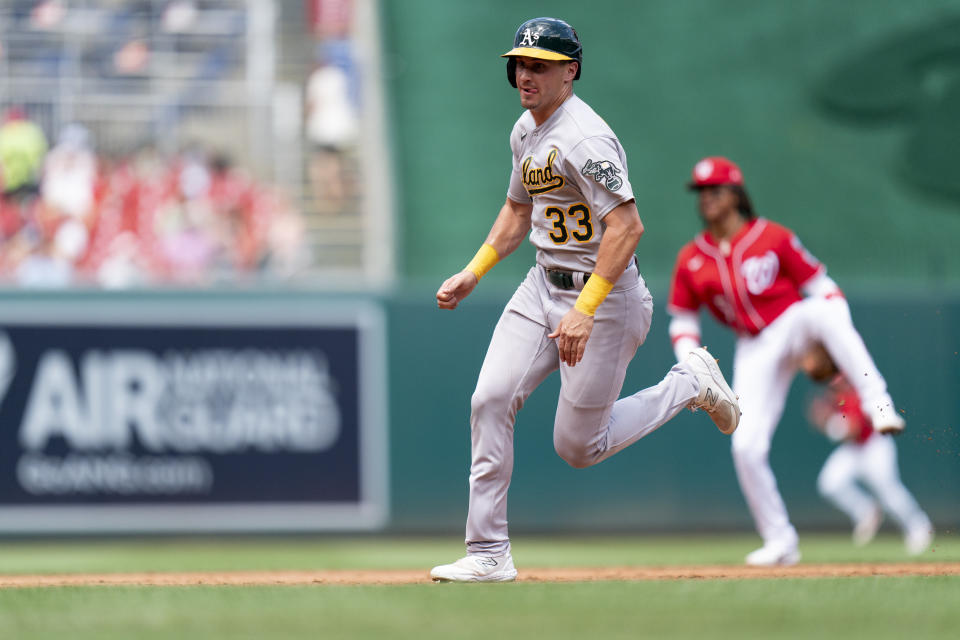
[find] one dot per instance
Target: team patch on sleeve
(802, 250)
(603, 171)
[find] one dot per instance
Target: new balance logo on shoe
(714, 394)
(710, 399)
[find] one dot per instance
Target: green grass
(410, 553)
(874, 608)
(878, 607)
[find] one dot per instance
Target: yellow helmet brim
(533, 52)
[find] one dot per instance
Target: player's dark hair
(744, 206)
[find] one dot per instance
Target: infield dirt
(374, 577)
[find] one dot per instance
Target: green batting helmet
(546, 39)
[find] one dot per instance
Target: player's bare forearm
(510, 228)
(508, 231)
(620, 238)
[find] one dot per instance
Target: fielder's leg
(761, 379)
(833, 327)
(837, 483)
(881, 474)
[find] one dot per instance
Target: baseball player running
(752, 274)
(863, 456)
(582, 308)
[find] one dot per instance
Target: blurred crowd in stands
(72, 217)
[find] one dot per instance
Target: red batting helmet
(715, 170)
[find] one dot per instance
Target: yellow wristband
(593, 294)
(486, 257)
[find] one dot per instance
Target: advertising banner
(132, 416)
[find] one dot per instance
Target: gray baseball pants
(591, 424)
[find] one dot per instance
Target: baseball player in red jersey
(756, 277)
(863, 456)
(583, 307)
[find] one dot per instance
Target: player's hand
(571, 335)
(455, 289)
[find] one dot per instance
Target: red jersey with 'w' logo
(747, 283)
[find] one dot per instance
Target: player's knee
(490, 401)
(576, 458)
(827, 484)
(478, 402)
(750, 453)
(576, 453)
(486, 469)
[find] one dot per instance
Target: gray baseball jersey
(574, 171)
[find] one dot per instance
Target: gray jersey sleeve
(599, 166)
(516, 191)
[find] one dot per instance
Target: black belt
(563, 279)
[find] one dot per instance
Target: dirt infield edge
(397, 577)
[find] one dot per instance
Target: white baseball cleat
(770, 555)
(867, 527)
(918, 540)
(715, 396)
(473, 568)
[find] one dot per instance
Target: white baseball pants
(873, 463)
(763, 368)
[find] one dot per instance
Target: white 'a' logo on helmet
(530, 38)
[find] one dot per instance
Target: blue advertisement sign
(213, 418)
